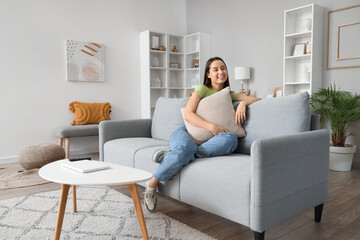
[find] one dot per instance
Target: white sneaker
(150, 200)
(159, 154)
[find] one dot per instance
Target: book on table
(85, 166)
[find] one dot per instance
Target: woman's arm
(240, 114)
(196, 120)
(247, 99)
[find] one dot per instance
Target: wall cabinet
(170, 64)
(303, 39)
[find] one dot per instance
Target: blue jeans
(183, 149)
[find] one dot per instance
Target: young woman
(182, 147)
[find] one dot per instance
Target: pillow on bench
(273, 117)
(89, 113)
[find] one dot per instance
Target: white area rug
(103, 213)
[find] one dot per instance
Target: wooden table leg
(60, 142)
(140, 215)
(74, 198)
(61, 212)
(67, 146)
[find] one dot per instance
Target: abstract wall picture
(85, 61)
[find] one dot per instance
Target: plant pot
(341, 157)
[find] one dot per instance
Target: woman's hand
(240, 115)
(216, 130)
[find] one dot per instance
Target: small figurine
(174, 49)
(157, 82)
(308, 47)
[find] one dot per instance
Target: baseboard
(5, 160)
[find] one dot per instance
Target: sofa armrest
(109, 130)
(289, 174)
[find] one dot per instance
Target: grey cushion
(220, 185)
(77, 131)
(122, 151)
(167, 117)
(273, 117)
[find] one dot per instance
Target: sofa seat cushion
(220, 185)
(273, 117)
(122, 151)
(143, 160)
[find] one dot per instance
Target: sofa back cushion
(167, 117)
(273, 117)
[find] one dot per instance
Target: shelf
(176, 53)
(296, 83)
(157, 51)
(157, 88)
(155, 64)
(157, 68)
(303, 25)
(176, 69)
(194, 52)
(299, 35)
(298, 57)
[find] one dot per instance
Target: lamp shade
(241, 73)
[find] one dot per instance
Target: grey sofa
(279, 169)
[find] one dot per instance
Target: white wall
(250, 33)
(34, 95)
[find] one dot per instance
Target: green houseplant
(340, 108)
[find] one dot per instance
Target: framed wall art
(342, 38)
(85, 61)
(299, 49)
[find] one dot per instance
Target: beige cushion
(216, 109)
(40, 155)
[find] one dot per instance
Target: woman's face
(217, 72)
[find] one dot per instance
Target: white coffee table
(115, 175)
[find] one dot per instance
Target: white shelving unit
(176, 82)
(303, 72)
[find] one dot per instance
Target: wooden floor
(340, 221)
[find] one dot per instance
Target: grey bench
(67, 132)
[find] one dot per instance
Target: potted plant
(340, 108)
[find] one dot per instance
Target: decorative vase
(306, 24)
(195, 81)
(156, 62)
(157, 82)
(305, 76)
(341, 157)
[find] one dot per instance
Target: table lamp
(242, 73)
